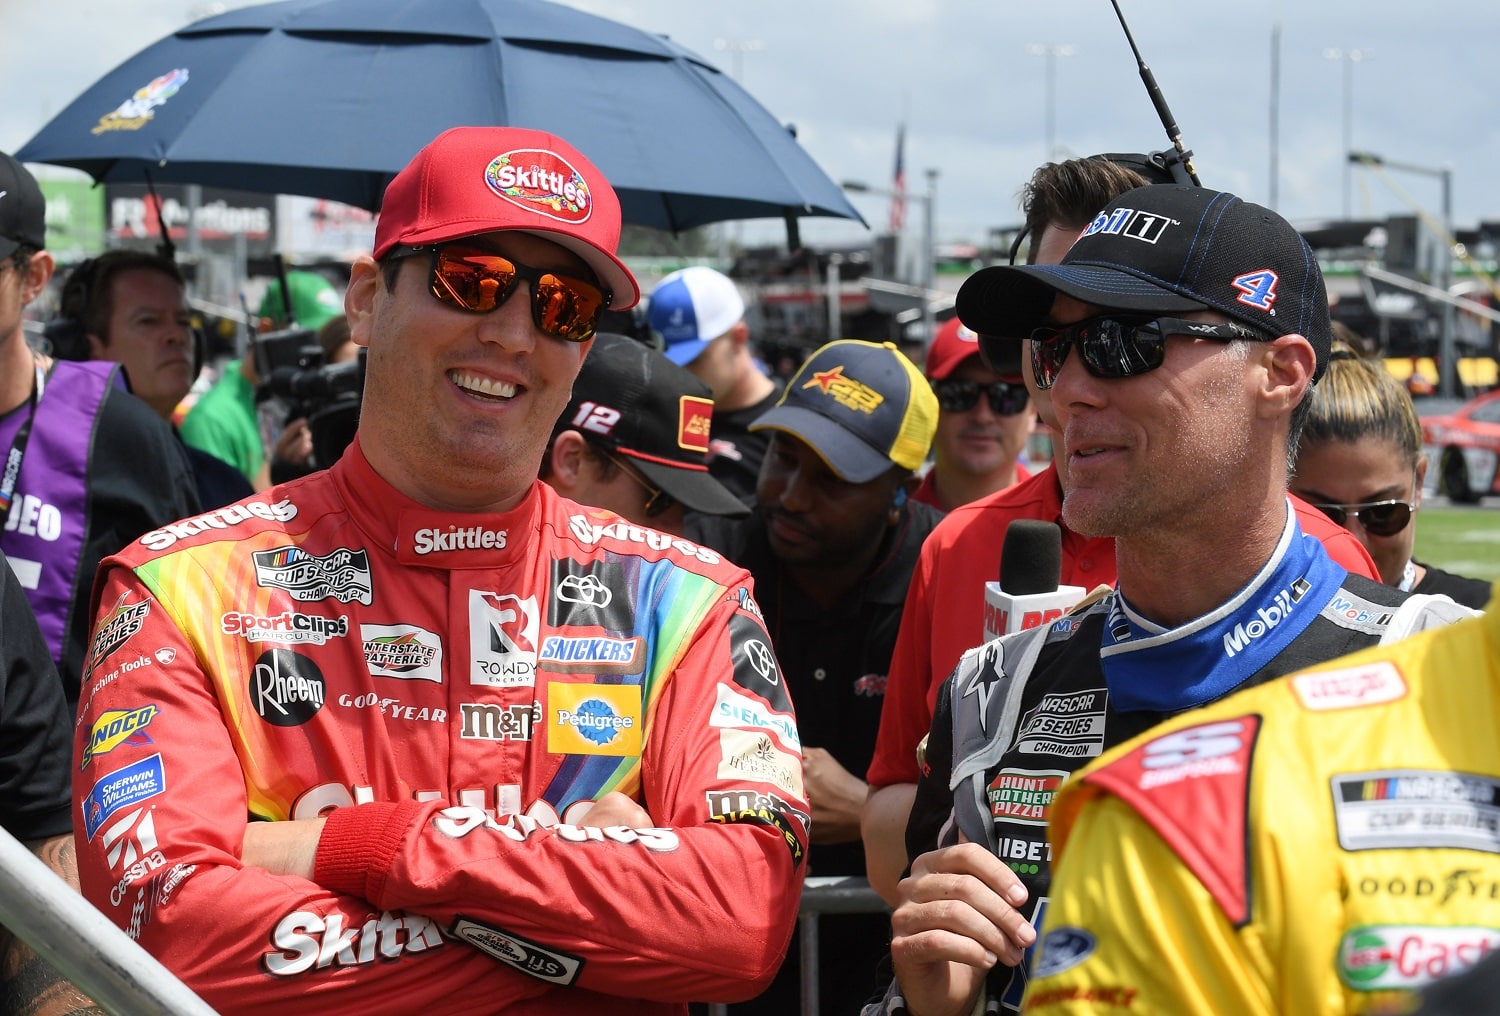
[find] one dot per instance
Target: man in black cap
(634, 439)
(1178, 339)
(831, 548)
(89, 467)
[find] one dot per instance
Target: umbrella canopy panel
(330, 98)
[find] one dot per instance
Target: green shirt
(223, 423)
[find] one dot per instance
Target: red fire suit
(451, 691)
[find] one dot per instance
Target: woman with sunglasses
(1360, 461)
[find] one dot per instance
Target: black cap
(1167, 250)
(646, 408)
(23, 210)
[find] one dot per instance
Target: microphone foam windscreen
(1031, 560)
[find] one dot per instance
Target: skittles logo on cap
(136, 111)
(541, 182)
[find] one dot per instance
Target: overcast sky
(959, 73)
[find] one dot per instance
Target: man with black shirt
(89, 466)
(831, 549)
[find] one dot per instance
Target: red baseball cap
(955, 342)
(472, 180)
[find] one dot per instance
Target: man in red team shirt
(944, 613)
(416, 731)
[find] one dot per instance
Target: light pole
(928, 202)
(1051, 51)
(1349, 57)
(738, 48)
(1447, 359)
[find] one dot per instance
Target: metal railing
(82, 944)
(122, 978)
(825, 894)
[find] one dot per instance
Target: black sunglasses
(657, 500)
(1118, 347)
(1379, 518)
(477, 280)
(959, 395)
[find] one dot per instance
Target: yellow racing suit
(1329, 842)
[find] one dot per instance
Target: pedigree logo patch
(541, 182)
(593, 719)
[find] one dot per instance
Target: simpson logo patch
(594, 719)
(541, 182)
(514, 951)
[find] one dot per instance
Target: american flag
(898, 184)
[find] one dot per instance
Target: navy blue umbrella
(330, 98)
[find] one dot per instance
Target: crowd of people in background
(552, 677)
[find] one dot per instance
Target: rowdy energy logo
(402, 651)
(845, 391)
(502, 639)
(136, 111)
(541, 182)
(594, 719)
(342, 573)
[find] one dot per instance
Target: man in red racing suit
(429, 702)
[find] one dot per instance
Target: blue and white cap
(692, 307)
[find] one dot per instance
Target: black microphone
(1030, 592)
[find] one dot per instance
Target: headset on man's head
(67, 334)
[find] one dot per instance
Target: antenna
(1180, 161)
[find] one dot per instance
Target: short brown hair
(1071, 193)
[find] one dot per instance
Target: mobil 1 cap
(862, 406)
(1168, 250)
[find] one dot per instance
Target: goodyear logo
(541, 182)
(116, 726)
(594, 719)
(846, 391)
